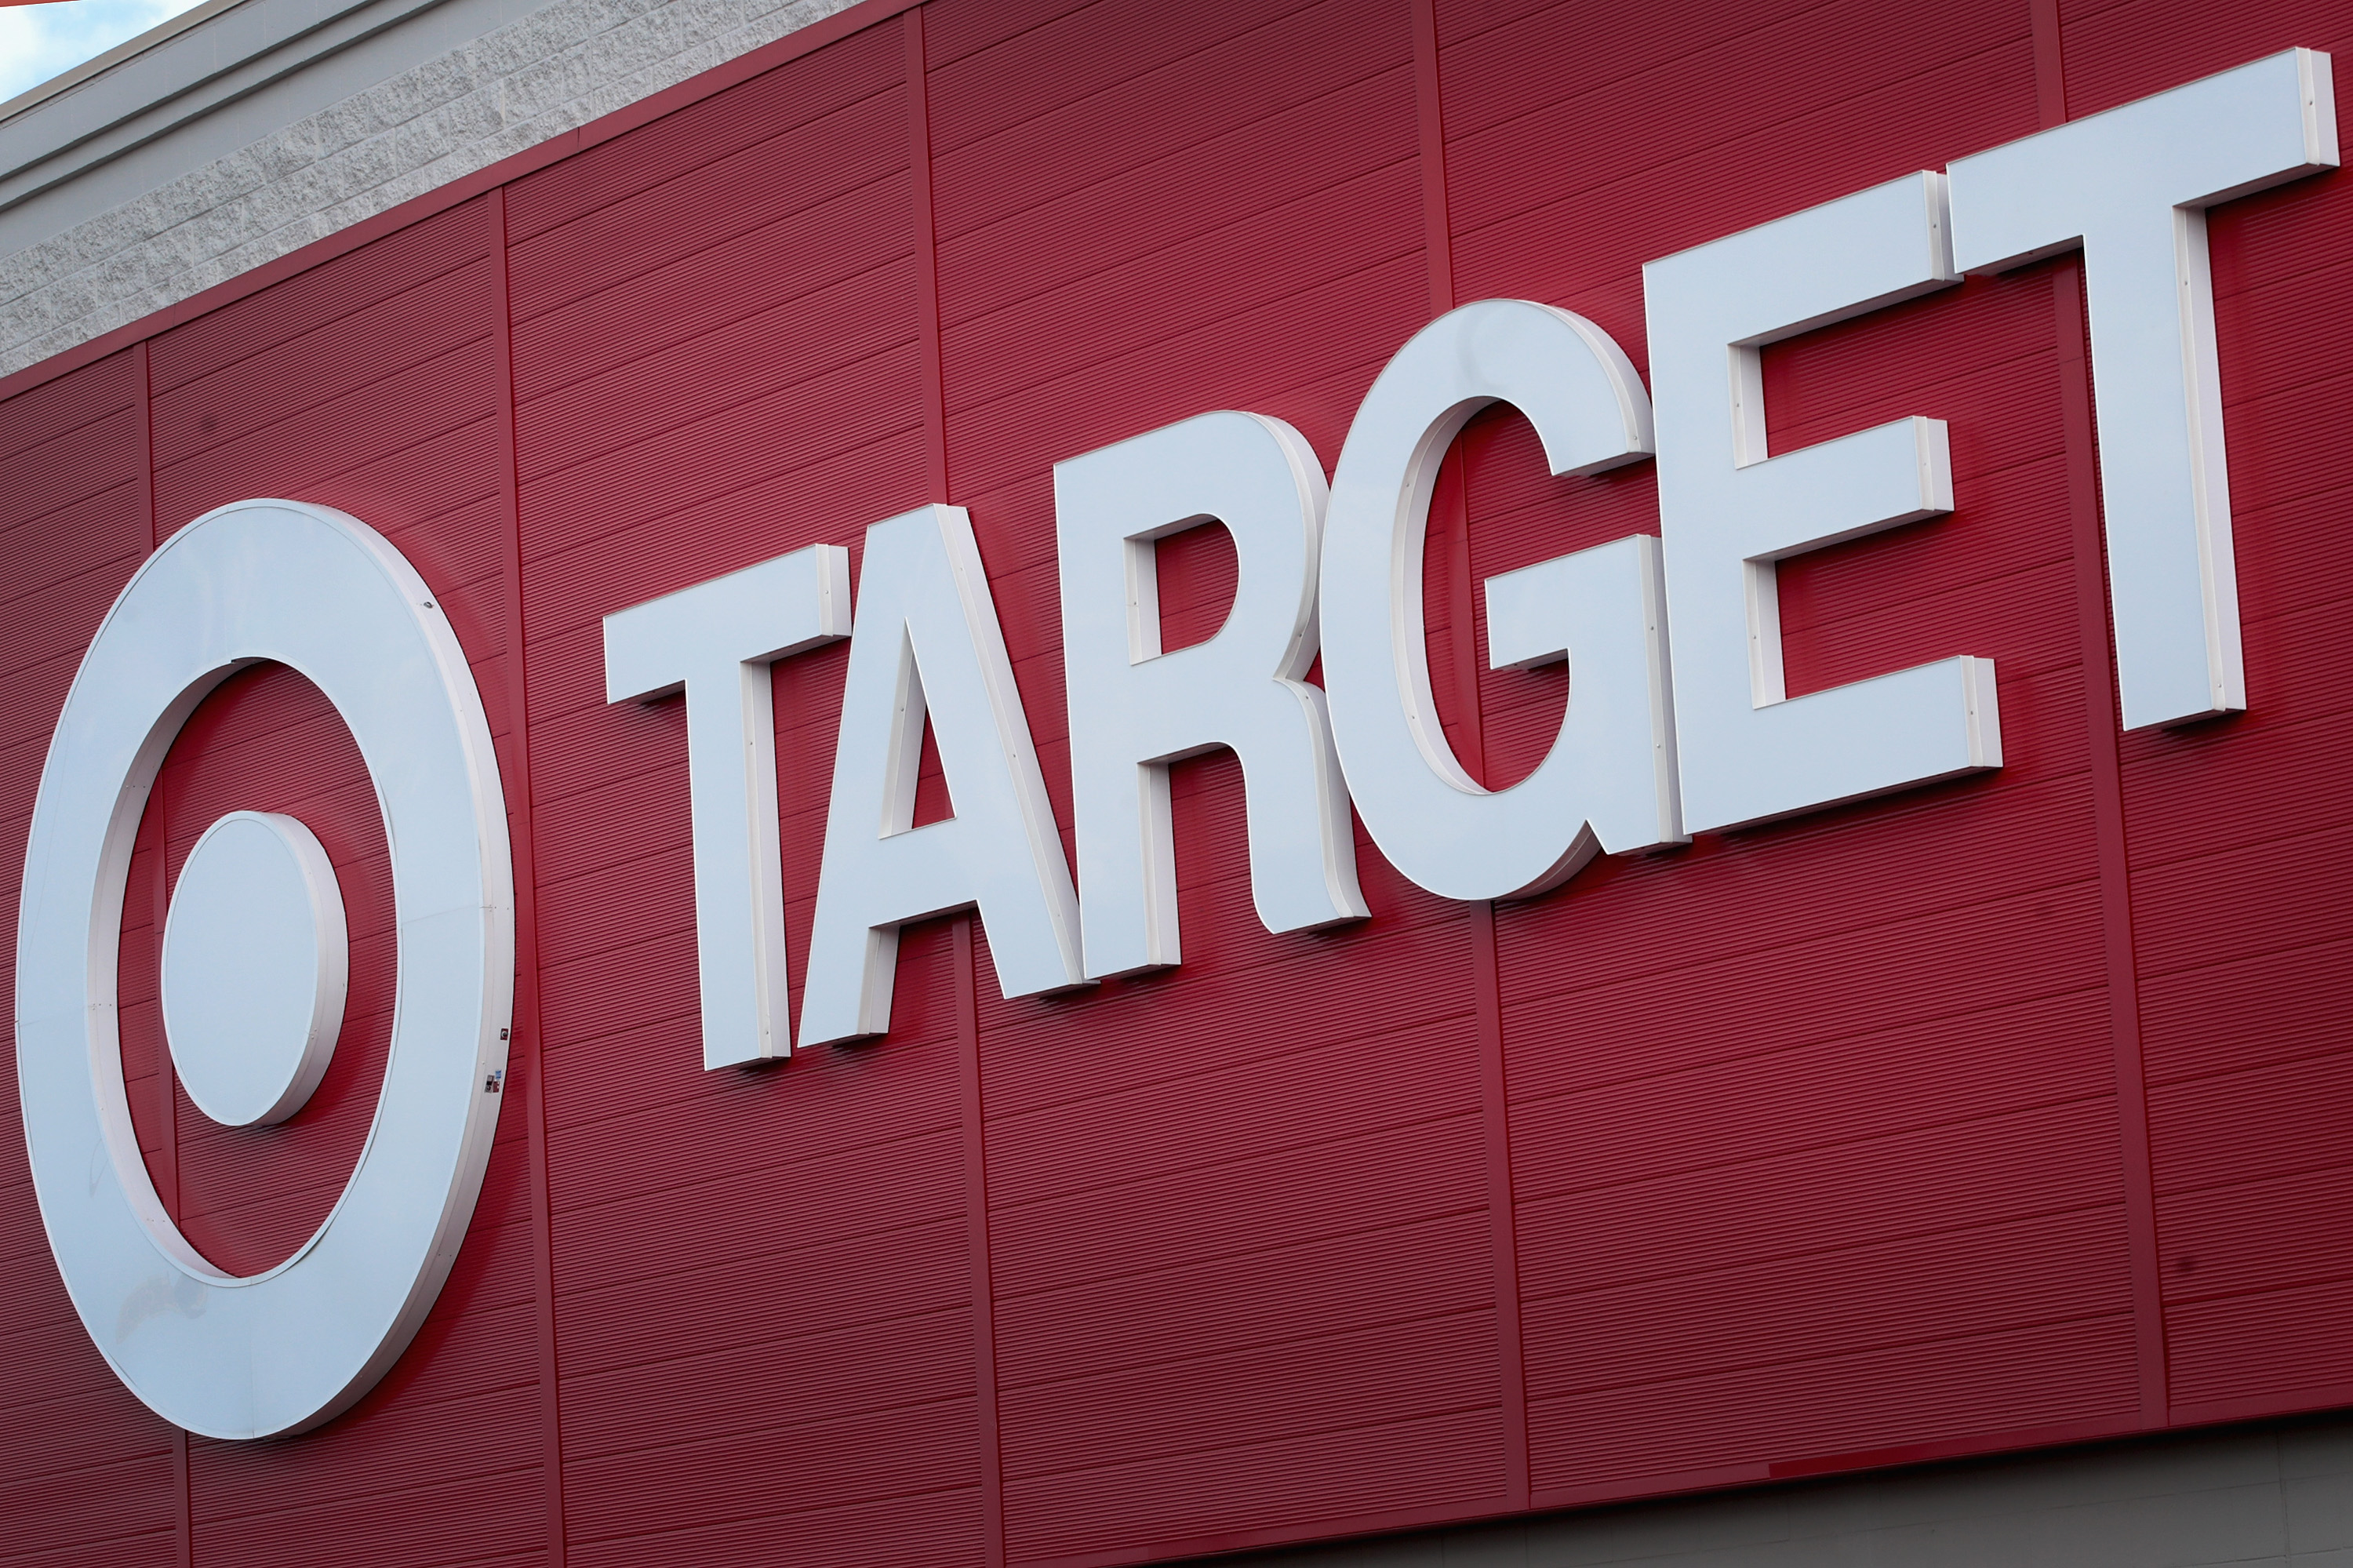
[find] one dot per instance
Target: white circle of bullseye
(255, 965)
(281, 1351)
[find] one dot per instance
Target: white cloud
(37, 42)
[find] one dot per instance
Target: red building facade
(2003, 1113)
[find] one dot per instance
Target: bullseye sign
(254, 967)
(255, 960)
(1678, 719)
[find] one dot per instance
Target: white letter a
(927, 635)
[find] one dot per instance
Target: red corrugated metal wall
(1988, 1115)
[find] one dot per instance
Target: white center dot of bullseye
(255, 966)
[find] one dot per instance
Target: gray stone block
(539, 76)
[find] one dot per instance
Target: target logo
(255, 958)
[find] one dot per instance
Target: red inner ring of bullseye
(265, 740)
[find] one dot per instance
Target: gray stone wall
(555, 70)
(2278, 1496)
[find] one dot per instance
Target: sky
(37, 42)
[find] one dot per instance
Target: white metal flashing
(162, 32)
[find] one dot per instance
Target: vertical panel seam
(972, 1109)
(2100, 711)
(183, 1506)
(2108, 827)
(984, 1291)
(1438, 248)
(927, 253)
(1503, 1227)
(167, 1079)
(1485, 968)
(183, 1512)
(147, 440)
(1438, 238)
(2050, 73)
(524, 1039)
